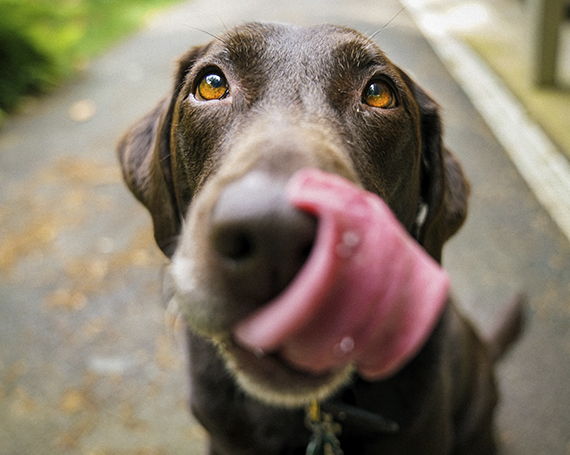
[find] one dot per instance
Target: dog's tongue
(368, 294)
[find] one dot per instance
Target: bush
(25, 65)
(44, 41)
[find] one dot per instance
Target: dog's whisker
(391, 20)
(206, 32)
(385, 26)
(224, 24)
(376, 32)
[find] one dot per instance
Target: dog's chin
(271, 380)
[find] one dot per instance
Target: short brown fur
(295, 100)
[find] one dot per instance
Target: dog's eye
(212, 87)
(379, 94)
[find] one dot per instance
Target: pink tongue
(368, 294)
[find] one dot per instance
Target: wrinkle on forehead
(285, 45)
(294, 65)
(359, 54)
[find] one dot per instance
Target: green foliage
(43, 41)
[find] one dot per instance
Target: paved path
(87, 365)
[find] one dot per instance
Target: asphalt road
(87, 365)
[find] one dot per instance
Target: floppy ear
(445, 189)
(144, 154)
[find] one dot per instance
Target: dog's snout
(259, 240)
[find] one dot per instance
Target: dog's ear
(144, 154)
(445, 189)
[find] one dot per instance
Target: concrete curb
(541, 164)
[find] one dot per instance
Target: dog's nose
(259, 240)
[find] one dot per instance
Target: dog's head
(247, 111)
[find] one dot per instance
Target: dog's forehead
(316, 48)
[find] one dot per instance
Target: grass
(549, 107)
(42, 42)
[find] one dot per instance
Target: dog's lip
(272, 379)
(258, 360)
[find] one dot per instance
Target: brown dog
(246, 112)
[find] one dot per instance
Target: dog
(247, 111)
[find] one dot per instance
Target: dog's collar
(337, 418)
(359, 422)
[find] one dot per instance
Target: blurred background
(88, 365)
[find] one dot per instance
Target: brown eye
(378, 94)
(212, 87)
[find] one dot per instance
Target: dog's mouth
(368, 295)
(271, 378)
(366, 299)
